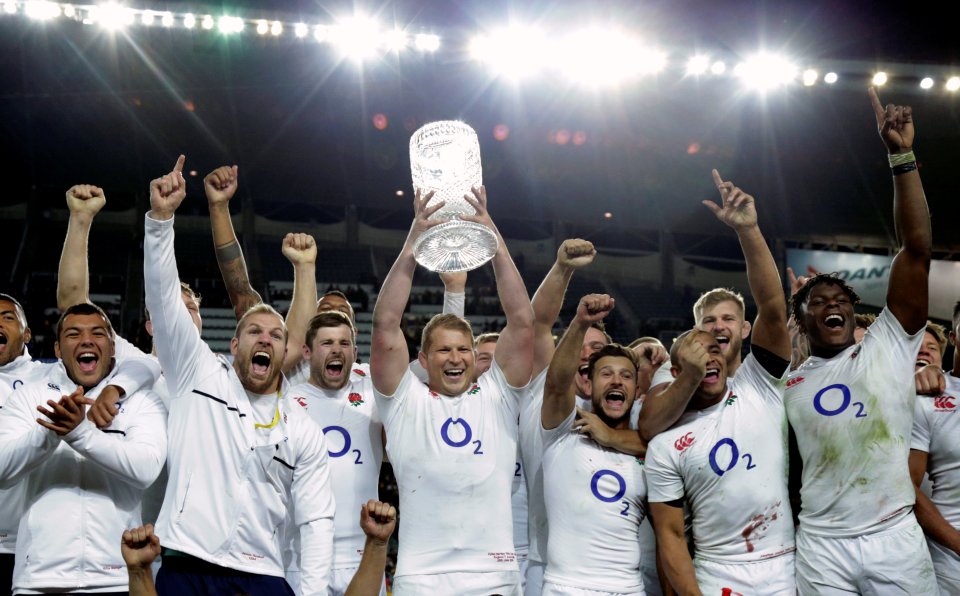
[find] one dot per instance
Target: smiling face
(14, 332)
(593, 342)
(929, 352)
(613, 389)
(828, 319)
(85, 346)
(449, 361)
(330, 355)
(724, 320)
(258, 350)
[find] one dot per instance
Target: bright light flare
(276, 28)
(42, 10)
(166, 19)
(263, 27)
(953, 84)
(10, 7)
(69, 11)
(605, 57)
(830, 78)
(321, 33)
(147, 17)
(395, 40)
(765, 71)
(718, 67)
(427, 42)
(880, 78)
(697, 65)
(515, 52)
(926, 83)
(810, 77)
(300, 30)
(207, 22)
(356, 37)
(112, 16)
(228, 24)
(189, 21)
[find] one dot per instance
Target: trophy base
(455, 246)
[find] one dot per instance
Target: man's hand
(929, 380)
(797, 282)
(66, 414)
(85, 199)
(454, 282)
(105, 408)
(421, 215)
(593, 308)
(300, 249)
(220, 185)
(693, 358)
(167, 192)
(588, 423)
(575, 253)
(654, 352)
(894, 123)
(139, 546)
(478, 200)
(378, 520)
(736, 207)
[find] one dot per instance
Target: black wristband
(904, 168)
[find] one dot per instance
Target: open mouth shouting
(582, 371)
(614, 400)
(260, 363)
(723, 340)
(712, 375)
(87, 361)
(334, 368)
(3, 342)
(834, 321)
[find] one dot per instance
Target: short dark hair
(329, 319)
(336, 293)
(485, 338)
(615, 350)
(864, 320)
(800, 298)
(17, 307)
(599, 326)
(184, 289)
(648, 339)
(83, 308)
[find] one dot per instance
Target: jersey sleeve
(24, 444)
(753, 374)
(495, 382)
(893, 340)
(135, 370)
(390, 405)
(553, 435)
(662, 375)
(662, 470)
(922, 427)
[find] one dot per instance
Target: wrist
(81, 219)
(160, 214)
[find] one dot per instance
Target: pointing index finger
(179, 167)
(878, 110)
(717, 180)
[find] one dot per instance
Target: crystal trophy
(445, 158)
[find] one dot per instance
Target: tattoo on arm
(233, 268)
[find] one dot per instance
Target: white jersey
(92, 479)
(936, 427)
(454, 459)
(519, 506)
(352, 431)
(531, 455)
(852, 415)
(729, 464)
(595, 500)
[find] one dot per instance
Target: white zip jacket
(230, 487)
(82, 490)
(135, 370)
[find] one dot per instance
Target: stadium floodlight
(207, 22)
(697, 65)
(926, 83)
(602, 56)
(880, 78)
(516, 51)
(276, 28)
(147, 17)
(166, 19)
(300, 30)
(356, 37)
(395, 40)
(718, 67)
(830, 78)
(42, 10)
(111, 15)
(427, 42)
(69, 11)
(263, 27)
(228, 24)
(10, 7)
(766, 71)
(189, 21)
(953, 83)
(810, 77)
(320, 33)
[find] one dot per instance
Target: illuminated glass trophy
(445, 158)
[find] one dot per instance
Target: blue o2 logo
(595, 486)
(716, 455)
(346, 443)
(17, 384)
(467, 435)
(831, 408)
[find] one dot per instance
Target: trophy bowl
(445, 159)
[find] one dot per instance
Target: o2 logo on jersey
(735, 456)
(17, 384)
(467, 435)
(621, 489)
(346, 443)
(684, 441)
(827, 410)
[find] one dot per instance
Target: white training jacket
(230, 487)
(82, 490)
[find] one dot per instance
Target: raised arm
(301, 251)
(548, 299)
(672, 547)
(907, 293)
(73, 277)
(559, 394)
(378, 521)
(664, 406)
(139, 548)
(454, 292)
(514, 353)
(737, 209)
(388, 352)
(220, 185)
